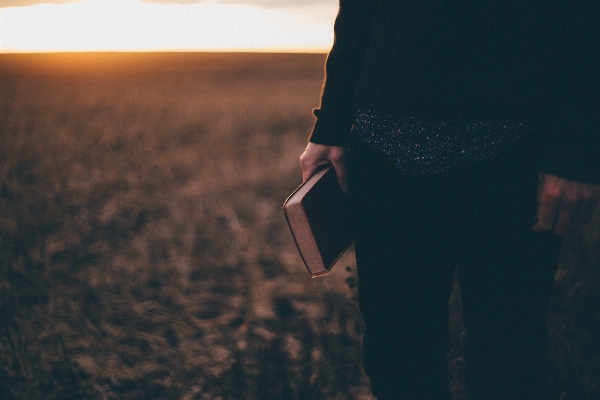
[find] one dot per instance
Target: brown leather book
(318, 214)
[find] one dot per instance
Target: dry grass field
(143, 251)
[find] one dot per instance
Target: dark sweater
(532, 62)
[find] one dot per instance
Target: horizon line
(232, 50)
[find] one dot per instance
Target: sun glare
(133, 25)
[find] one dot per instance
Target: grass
(144, 254)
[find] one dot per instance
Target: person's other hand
(563, 203)
(316, 155)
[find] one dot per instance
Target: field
(143, 251)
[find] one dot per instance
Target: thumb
(341, 172)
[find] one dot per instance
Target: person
(467, 135)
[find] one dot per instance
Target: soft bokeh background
(144, 252)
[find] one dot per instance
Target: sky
(166, 25)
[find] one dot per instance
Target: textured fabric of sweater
(532, 62)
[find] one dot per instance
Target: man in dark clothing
(468, 136)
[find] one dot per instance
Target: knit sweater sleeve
(342, 69)
(573, 148)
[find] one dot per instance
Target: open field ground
(144, 255)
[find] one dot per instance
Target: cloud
(258, 3)
(112, 25)
(23, 3)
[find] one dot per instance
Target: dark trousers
(412, 233)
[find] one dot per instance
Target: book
(318, 214)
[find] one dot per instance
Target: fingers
(586, 207)
(340, 169)
(308, 170)
(593, 199)
(313, 157)
(564, 220)
(317, 155)
(563, 204)
(541, 178)
(546, 212)
(569, 202)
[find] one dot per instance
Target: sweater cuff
(586, 171)
(330, 131)
(573, 160)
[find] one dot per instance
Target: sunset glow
(133, 25)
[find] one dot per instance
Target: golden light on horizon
(133, 25)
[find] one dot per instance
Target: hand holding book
(318, 214)
(316, 156)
